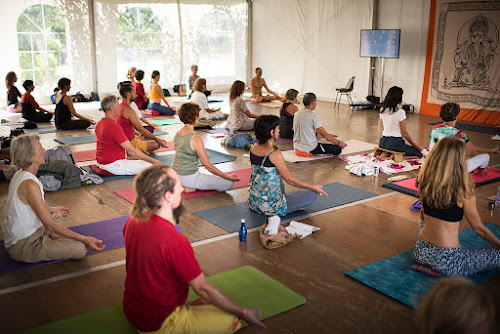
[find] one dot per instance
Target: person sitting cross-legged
(30, 106)
(129, 122)
(161, 267)
(112, 143)
(306, 127)
(478, 157)
(267, 191)
(31, 231)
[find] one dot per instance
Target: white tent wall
(407, 72)
(311, 45)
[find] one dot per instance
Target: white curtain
(311, 45)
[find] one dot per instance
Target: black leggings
(327, 149)
(29, 113)
(74, 125)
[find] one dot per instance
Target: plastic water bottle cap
(243, 221)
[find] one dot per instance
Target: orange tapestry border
(473, 115)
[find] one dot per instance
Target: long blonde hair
(150, 185)
(131, 73)
(456, 305)
(444, 177)
(198, 84)
(9, 80)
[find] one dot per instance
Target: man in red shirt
(161, 267)
(112, 144)
(129, 122)
(30, 107)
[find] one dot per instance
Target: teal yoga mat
(215, 157)
(50, 129)
(89, 139)
(246, 286)
(169, 121)
(394, 277)
(228, 217)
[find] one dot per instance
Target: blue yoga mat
(109, 231)
(472, 127)
(89, 139)
(228, 217)
(50, 129)
(394, 278)
(215, 157)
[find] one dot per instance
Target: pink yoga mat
(492, 173)
(89, 155)
(244, 174)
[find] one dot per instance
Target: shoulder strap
(265, 158)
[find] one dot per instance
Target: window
(138, 41)
(216, 45)
(44, 46)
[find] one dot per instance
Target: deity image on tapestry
(466, 61)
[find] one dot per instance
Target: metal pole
(382, 80)
(373, 60)
(93, 45)
(181, 43)
(249, 40)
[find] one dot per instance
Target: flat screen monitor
(379, 43)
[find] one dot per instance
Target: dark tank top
(286, 122)
(453, 213)
(63, 115)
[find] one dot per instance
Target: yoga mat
(282, 141)
(472, 127)
(408, 186)
(89, 155)
(15, 123)
(246, 286)
(228, 217)
(222, 131)
(215, 157)
(244, 174)
(214, 101)
(270, 104)
(394, 278)
(353, 146)
(89, 139)
(51, 129)
(169, 121)
(109, 231)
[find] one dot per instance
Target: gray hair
(308, 99)
(108, 102)
(23, 148)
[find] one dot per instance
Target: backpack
(239, 140)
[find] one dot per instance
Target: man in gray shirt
(306, 125)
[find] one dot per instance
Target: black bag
(78, 97)
(166, 92)
(30, 125)
(94, 96)
(16, 132)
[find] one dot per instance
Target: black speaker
(408, 108)
(373, 99)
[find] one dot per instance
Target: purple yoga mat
(109, 231)
(281, 141)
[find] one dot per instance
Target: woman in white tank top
(31, 234)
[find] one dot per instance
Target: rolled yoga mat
(394, 277)
(244, 174)
(246, 286)
(408, 186)
(109, 231)
(228, 217)
(472, 127)
(89, 139)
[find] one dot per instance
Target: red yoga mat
(492, 174)
(89, 155)
(244, 174)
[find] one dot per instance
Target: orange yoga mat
(89, 155)
(244, 174)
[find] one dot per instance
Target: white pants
(478, 161)
(125, 167)
(202, 181)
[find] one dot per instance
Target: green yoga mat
(169, 121)
(246, 286)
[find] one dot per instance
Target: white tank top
(21, 220)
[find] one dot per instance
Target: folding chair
(345, 91)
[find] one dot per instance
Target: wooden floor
(350, 237)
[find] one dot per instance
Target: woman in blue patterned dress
(267, 191)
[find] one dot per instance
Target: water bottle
(231, 131)
(376, 169)
(243, 231)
